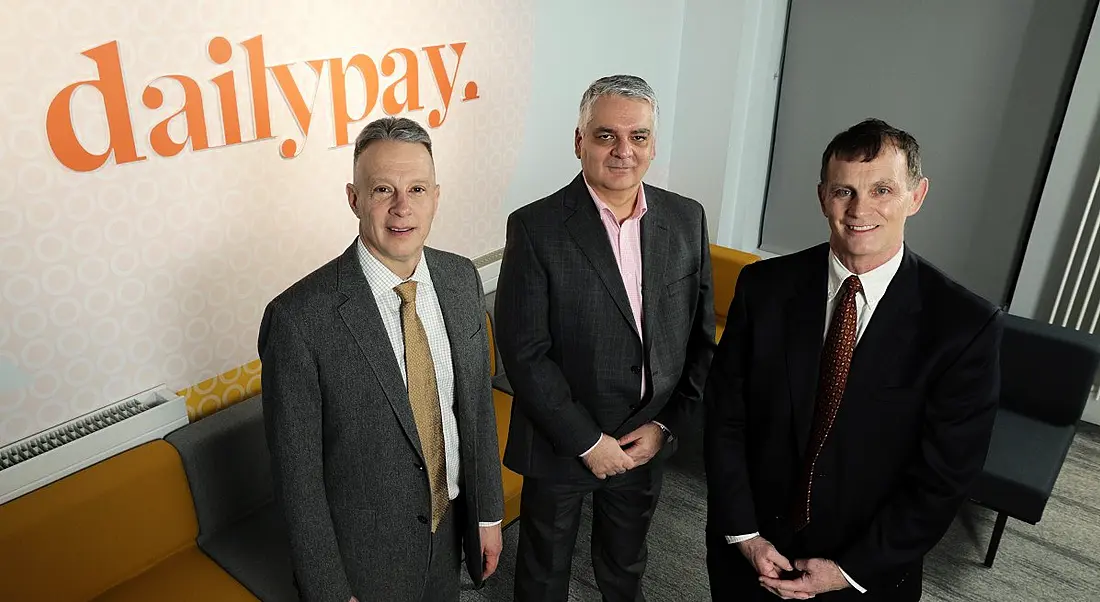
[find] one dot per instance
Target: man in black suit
(839, 446)
(606, 330)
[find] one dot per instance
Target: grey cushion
(1025, 457)
(255, 551)
(227, 464)
(1047, 371)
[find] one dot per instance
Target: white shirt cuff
(492, 524)
(593, 446)
(852, 582)
(731, 539)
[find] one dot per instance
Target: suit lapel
(360, 313)
(805, 332)
(456, 313)
(890, 330)
(582, 220)
(654, 256)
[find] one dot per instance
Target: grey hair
(627, 86)
(400, 129)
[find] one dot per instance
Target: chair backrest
(228, 466)
(1047, 371)
(725, 266)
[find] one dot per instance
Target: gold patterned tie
(836, 360)
(424, 398)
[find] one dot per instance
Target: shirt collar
(874, 282)
(382, 280)
(640, 207)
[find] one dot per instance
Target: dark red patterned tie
(836, 359)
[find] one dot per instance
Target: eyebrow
(608, 130)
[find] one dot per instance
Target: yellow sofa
(725, 265)
(121, 530)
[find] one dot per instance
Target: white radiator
(45, 457)
(1075, 306)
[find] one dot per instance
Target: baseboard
(1092, 412)
(489, 275)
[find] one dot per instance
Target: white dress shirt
(875, 283)
(382, 282)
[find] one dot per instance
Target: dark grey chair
(1047, 374)
(228, 469)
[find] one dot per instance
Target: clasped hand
(614, 457)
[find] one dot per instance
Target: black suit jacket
(567, 336)
(346, 456)
(911, 434)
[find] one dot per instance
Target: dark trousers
(733, 579)
(622, 509)
(443, 577)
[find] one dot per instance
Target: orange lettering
(338, 75)
(192, 113)
(303, 114)
(257, 79)
(411, 80)
(444, 83)
(59, 125)
(220, 51)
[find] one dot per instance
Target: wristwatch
(668, 434)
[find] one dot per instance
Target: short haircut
(866, 139)
(626, 86)
(400, 129)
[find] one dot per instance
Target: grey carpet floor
(1056, 560)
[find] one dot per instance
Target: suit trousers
(622, 509)
(733, 579)
(443, 578)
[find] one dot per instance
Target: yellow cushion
(513, 483)
(185, 576)
(726, 264)
(492, 346)
(78, 537)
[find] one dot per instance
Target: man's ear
(577, 142)
(917, 199)
(353, 198)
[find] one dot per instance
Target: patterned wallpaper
(154, 265)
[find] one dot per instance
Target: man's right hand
(764, 557)
(607, 458)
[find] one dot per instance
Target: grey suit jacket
(347, 462)
(567, 336)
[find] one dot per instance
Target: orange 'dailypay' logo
(112, 88)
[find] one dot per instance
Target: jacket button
(423, 519)
(419, 466)
(636, 369)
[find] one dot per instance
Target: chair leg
(995, 540)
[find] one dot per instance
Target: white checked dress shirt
(382, 282)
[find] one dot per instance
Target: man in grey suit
(377, 397)
(605, 324)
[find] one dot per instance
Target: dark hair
(866, 139)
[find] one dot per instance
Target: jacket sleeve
(292, 417)
(958, 425)
(523, 336)
(687, 397)
(730, 506)
(489, 486)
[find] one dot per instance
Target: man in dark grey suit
(377, 397)
(605, 324)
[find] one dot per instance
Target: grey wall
(975, 82)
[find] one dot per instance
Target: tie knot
(407, 291)
(853, 284)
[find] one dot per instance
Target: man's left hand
(818, 576)
(491, 545)
(643, 443)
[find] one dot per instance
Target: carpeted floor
(1056, 560)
